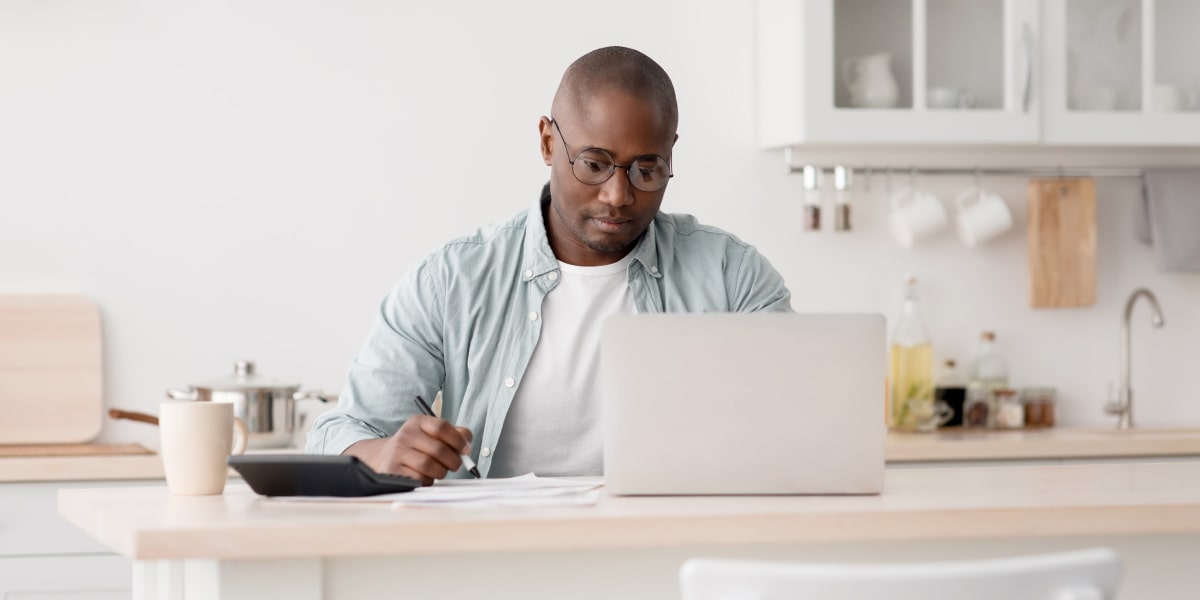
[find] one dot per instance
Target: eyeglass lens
(647, 173)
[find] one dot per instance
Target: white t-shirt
(553, 424)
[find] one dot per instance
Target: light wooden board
(51, 369)
(1062, 242)
(72, 450)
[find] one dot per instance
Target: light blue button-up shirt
(459, 322)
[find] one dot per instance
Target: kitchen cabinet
(1121, 72)
(981, 72)
(100, 577)
(42, 556)
(882, 71)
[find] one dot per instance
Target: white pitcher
(870, 81)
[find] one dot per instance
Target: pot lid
(244, 377)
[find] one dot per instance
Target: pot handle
(299, 417)
(188, 394)
(117, 413)
(309, 395)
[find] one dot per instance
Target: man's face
(598, 224)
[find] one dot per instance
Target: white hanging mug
(981, 216)
(915, 215)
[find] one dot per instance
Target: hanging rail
(976, 171)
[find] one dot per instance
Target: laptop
(725, 403)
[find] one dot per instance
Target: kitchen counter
(239, 541)
(93, 468)
(1036, 444)
(80, 468)
(1140, 498)
(950, 445)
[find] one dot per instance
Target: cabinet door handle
(1027, 77)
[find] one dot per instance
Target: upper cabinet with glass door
(897, 72)
(1122, 72)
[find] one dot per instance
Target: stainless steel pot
(267, 406)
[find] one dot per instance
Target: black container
(954, 397)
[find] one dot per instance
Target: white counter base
(1156, 567)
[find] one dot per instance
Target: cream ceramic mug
(915, 215)
(981, 216)
(196, 440)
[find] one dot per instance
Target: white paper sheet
(526, 490)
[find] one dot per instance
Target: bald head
(617, 68)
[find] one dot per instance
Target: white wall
(247, 179)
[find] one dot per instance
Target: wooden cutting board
(51, 378)
(72, 450)
(1062, 242)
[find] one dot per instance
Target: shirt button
(528, 274)
(653, 268)
(532, 316)
(508, 382)
(485, 452)
(553, 276)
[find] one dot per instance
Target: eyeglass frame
(613, 166)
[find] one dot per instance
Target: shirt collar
(646, 251)
(540, 259)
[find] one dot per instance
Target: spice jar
(1009, 414)
(977, 410)
(1039, 406)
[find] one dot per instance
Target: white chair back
(1081, 575)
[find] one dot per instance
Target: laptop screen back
(776, 403)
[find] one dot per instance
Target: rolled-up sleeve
(403, 357)
(756, 285)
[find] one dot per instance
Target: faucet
(1123, 407)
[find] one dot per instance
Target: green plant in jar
(915, 408)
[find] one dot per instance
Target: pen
(467, 462)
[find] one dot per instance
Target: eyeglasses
(594, 166)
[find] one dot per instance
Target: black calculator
(316, 475)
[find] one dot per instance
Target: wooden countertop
(1055, 443)
(80, 468)
(949, 445)
(934, 503)
(95, 467)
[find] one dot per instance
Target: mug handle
(942, 413)
(899, 196)
(967, 197)
(240, 438)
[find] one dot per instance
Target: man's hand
(424, 448)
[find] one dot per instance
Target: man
(506, 322)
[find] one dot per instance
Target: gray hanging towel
(1168, 217)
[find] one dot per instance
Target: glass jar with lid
(1039, 406)
(977, 411)
(1009, 413)
(988, 372)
